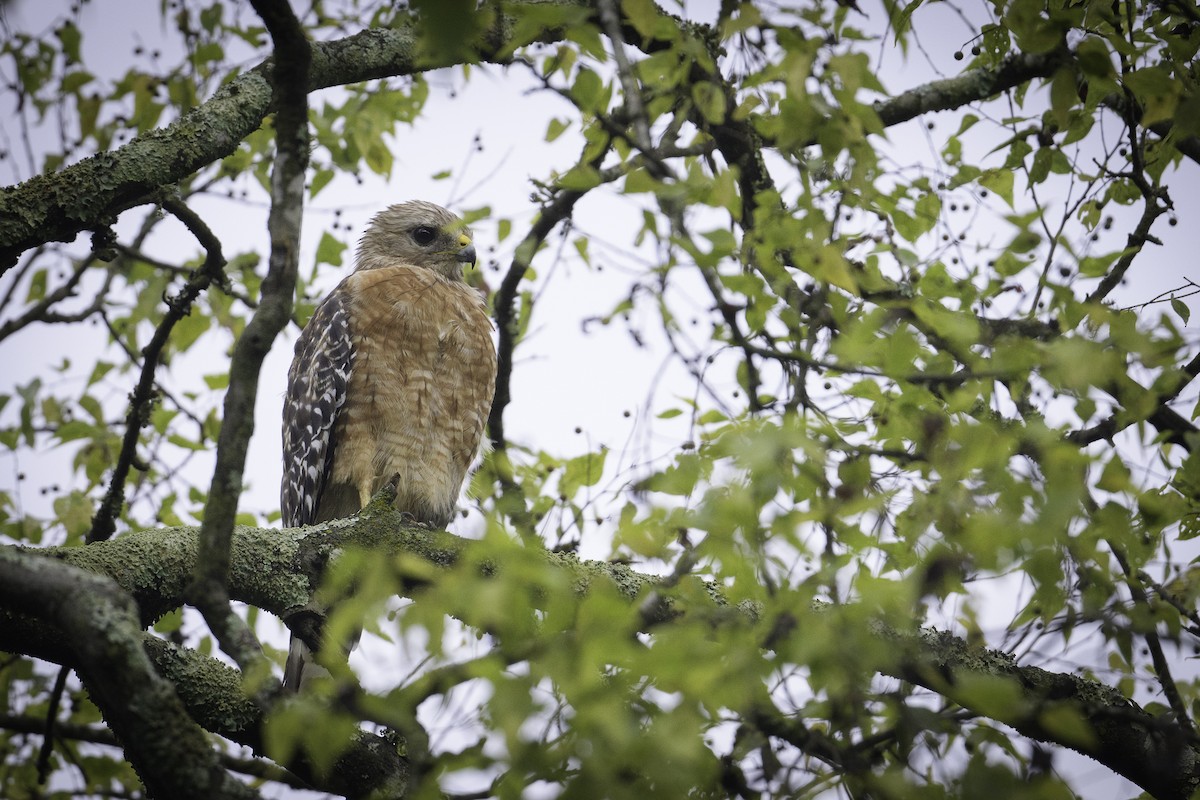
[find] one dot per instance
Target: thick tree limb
(99, 625)
(94, 191)
(276, 570)
(215, 697)
(1155, 753)
(971, 86)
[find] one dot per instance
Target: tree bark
(277, 570)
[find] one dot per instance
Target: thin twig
(558, 208)
(48, 736)
(144, 393)
(1137, 238)
(1162, 668)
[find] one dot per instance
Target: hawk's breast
(420, 389)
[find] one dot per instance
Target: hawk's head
(417, 233)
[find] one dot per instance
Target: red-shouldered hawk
(394, 374)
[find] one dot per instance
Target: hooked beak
(466, 253)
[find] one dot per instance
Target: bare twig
(1162, 668)
(142, 398)
(558, 208)
(96, 734)
(48, 732)
(1134, 243)
(39, 311)
(222, 281)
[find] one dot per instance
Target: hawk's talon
(407, 518)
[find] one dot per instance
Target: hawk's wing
(316, 392)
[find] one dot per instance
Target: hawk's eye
(423, 235)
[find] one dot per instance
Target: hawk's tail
(301, 666)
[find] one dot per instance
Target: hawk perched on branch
(393, 375)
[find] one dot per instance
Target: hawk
(393, 376)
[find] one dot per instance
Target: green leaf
(72, 82)
(968, 122)
(678, 479)
(37, 287)
(648, 19)
(999, 181)
(75, 429)
(581, 471)
(1068, 726)
(555, 128)
(447, 29)
(70, 38)
(319, 181)
(1157, 91)
(1181, 308)
(992, 696)
(186, 444)
(218, 381)
(1041, 165)
(1115, 477)
(1063, 96)
(587, 89)
(581, 177)
(709, 101)
(330, 250)
(74, 512)
(928, 211)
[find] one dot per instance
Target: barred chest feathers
(424, 375)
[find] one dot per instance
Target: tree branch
(1093, 719)
(970, 86)
(99, 626)
(558, 208)
(104, 524)
(91, 193)
(276, 570)
(215, 697)
(97, 734)
(208, 590)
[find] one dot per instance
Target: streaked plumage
(394, 374)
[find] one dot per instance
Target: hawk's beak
(467, 252)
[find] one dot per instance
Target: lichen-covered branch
(215, 697)
(91, 193)
(1156, 753)
(971, 86)
(100, 627)
(276, 570)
